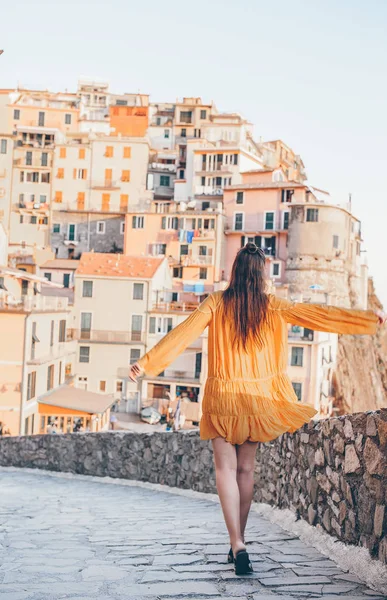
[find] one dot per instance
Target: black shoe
(230, 556)
(242, 563)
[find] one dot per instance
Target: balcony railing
(35, 303)
(191, 261)
(175, 306)
(256, 223)
(80, 207)
(106, 184)
(301, 334)
(156, 166)
(35, 162)
(208, 190)
(107, 336)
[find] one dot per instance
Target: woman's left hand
(135, 371)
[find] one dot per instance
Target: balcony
(175, 377)
(208, 190)
(36, 162)
(218, 168)
(108, 336)
(156, 166)
(35, 304)
(174, 307)
(196, 260)
(256, 224)
(106, 184)
(163, 191)
(303, 334)
(80, 207)
(61, 350)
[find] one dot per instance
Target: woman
(248, 396)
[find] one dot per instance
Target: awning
(73, 398)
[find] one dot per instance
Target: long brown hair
(245, 301)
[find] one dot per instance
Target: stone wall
(332, 472)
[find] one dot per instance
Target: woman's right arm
(332, 319)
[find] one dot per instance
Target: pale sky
(312, 73)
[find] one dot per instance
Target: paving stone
(178, 559)
(179, 588)
(154, 576)
(274, 580)
(213, 567)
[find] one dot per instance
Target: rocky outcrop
(360, 378)
(332, 472)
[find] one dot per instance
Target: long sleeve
(327, 318)
(173, 344)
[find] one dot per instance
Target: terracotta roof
(61, 263)
(118, 265)
(75, 399)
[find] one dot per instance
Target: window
(52, 333)
(124, 201)
(60, 373)
(138, 291)
(297, 387)
(183, 133)
(21, 176)
(33, 220)
(21, 219)
(71, 235)
(3, 147)
(45, 178)
(136, 327)
(16, 114)
(184, 250)
(312, 214)
(84, 354)
(177, 272)
(44, 159)
(203, 181)
(152, 324)
(239, 198)
(275, 269)
(62, 152)
(203, 273)
(87, 289)
(105, 203)
(186, 116)
(119, 385)
(157, 249)
(137, 222)
(197, 133)
(48, 276)
(286, 220)
(28, 158)
(62, 331)
(297, 357)
(102, 386)
(169, 223)
(235, 159)
(203, 114)
(203, 250)
(125, 175)
(109, 151)
(166, 133)
(67, 119)
(336, 242)
(160, 324)
(269, 220)
(122, 228)
(135, 354)
(31, 385)
(238, 221)
(127, 152)
(81, 153)
(80, 174)
(165, 180)
(85, 325)
(286, 195)
(198, 364)
(41, 119)
(42, 199)
(101, 226)
(58, 197)
(50, 377)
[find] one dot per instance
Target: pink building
(257, 210)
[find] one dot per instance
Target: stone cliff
(360, 378)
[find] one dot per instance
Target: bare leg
(226, 483)
(245, 479)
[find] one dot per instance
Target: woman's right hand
(135, 371)
(382, 316)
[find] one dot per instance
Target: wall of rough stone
(332, 472)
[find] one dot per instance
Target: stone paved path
(81, 539)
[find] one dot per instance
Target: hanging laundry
(190, 235)
(197, 233)
(181, 235)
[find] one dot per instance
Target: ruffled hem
(276, 418)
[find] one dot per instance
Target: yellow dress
(248, 394)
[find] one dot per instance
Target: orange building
(129, 115)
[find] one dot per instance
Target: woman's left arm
(175, 342)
